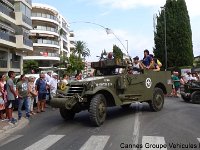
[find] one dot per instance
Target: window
(44, 15)
(34, 14)
(48, 28)
(48, 16)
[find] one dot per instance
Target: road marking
(45, 143)
(136, 128)
(12, 138)
(151, 142)
(95, 143)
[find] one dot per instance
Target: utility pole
(165, 30)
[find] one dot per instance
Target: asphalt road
(178, 125)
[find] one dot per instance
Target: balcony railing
(7, 11)
(15, 64)
(28, 42)
(44, 15)
(26, 20)
(46, 54)
(46, 28)
(3, 63)
(44, 41)
(7, 37)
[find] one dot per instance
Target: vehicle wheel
(98, 109)
(195, 97)
(158, 100)
(126, 106)
(67, 114)
(186, 99)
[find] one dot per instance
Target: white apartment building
(50, 36)
(15, 25)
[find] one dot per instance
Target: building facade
(15, 26)
(50, 36)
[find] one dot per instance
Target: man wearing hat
(53, 84)
(136, 65)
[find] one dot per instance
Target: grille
(75, 89)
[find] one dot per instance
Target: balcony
(64, 26)
(24, 43)
(7, 11)
(43, 56)
(7, 39)
(46, 54)
(45, 17)
(27, 42)
(47, 43)
(26, 20)
(23, 20)
(46, 30)
(3, 63)
(65, 47)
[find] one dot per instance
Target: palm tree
(81, 49)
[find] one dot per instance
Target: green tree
(76, 64)
(117, 52)
(81, 49)
(30, 65)
(178, 35)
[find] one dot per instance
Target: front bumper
(67, 102)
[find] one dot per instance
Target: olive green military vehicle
(191, 92)
(112, 85)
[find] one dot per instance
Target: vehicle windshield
(109, 71)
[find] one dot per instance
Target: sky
(131, 23)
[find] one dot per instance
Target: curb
(10, 129)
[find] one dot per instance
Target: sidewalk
(7, 128)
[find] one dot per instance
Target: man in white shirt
(53, 83)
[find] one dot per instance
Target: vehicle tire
(97, 109)
(195, 97)
(125, 106)
(67, 114)
(156, 104)
(186, 99)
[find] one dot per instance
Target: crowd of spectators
(28, 90)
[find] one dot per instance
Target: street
(176, 127)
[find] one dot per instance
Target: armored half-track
(110, 86)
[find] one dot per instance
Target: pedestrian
(2, 96)
(41, 88)
(48, 77)
(11, 97)
(176, 82)
(23, 92)
(32, 93)
(53, 85)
